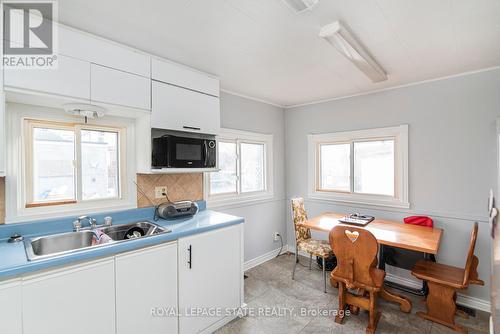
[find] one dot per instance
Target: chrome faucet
(77, 224)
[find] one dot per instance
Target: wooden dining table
(390, 233)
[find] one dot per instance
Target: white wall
(452, 155)
(265, 218)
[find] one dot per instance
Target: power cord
(281, 248)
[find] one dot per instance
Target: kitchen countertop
(14, 262)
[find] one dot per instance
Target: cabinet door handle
(190, 250)
(191, 128)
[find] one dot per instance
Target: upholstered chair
(303, 240)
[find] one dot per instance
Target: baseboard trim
(473, 302)
(264, 258)
(215, 326)
(403, 281)
(465, 300)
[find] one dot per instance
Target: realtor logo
(29, 34)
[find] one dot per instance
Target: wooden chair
(356, 251)
(303, 240)
(444, 281)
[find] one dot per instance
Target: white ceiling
(261, 48)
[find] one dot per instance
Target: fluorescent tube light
(337, 35)
(300, 6)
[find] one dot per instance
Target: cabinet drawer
(181, 109)
(120, 88)
(71, 78)
(181, 76)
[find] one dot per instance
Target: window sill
(360, 199)
(234, 201)
(42, 204)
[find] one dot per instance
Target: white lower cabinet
(140, 291)
(146, 291)
(210, 278)
(2, 134)
(77, 300)
(11, 307)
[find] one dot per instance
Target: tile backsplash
(180, 187)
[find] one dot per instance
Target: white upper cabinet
(176, 108)
(179, 75)
(70, 78)
(117, 87)
(100, 51)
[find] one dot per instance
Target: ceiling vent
(300, 6)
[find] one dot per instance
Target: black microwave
(171, 151)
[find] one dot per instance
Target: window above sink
(70, 163)
(59, 165)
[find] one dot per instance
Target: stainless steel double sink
(64, 243)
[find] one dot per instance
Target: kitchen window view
(245, 165)
(372, 166)
(242, 168)
(367, 166)
(68, 163)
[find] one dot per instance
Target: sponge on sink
(100, 237)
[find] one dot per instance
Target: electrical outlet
(160, 191)
(276, 236)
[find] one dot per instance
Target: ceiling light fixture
(300, 6)
(84, 110)
(337, 35)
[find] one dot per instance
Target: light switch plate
(159, 191)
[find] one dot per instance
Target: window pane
(252, 167)
(53, 168)
(374, 167)
(335, 172)
(224, 181)
(100, 170)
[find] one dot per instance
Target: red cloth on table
(419, 220)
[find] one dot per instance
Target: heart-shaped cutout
(353, 236)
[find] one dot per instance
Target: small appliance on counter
(356, 219)
(173, 210)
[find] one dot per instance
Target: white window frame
(28, 127)
(400, 136)
(238, 136)
(16, 190)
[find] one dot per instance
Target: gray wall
(452, 154)
(262, 219)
